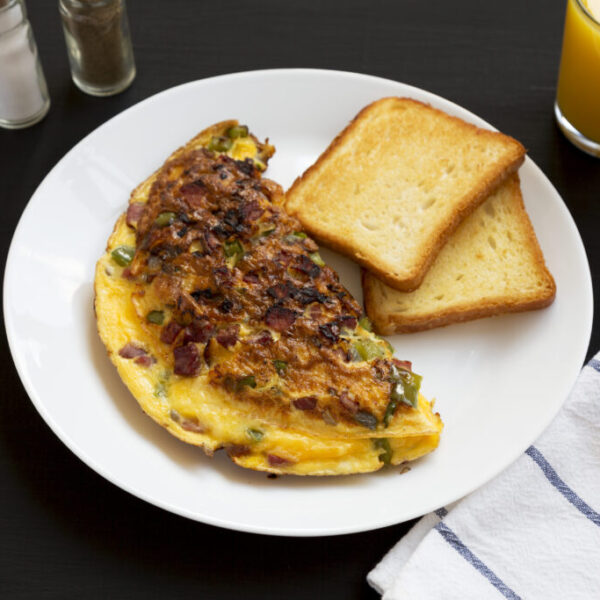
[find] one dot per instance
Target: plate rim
(89, 461)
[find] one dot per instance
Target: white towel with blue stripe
(531, 533)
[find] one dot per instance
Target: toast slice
(391, 187)
(492, 264)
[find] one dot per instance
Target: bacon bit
(233, 220)
(278, 461)
(245, 166)
(212, 241)
(308, 295)
(314, 312)
(235, 450)
(284, 257)
(127, 274)
(229, 336)
(222, 276)
(193, 425)
(331, 331)
(348, 322)
(264, 338)
(251, 277)
(250, 211)
(307, 266)
(281, 291)
(144, 361)
(194, 192)
(348, 403)
(279, 318)
(310, 245)
(170, 332)
(403, 364)
(134, 212)
(305, 403)
(130, 350)
(187, 360)
(198, 331)
(350, 304)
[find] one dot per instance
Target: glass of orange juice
(577, 106)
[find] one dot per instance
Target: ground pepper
(98, 44)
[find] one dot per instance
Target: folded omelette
(230, 331)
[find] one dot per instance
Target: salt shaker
(98, 45)
(24, 96)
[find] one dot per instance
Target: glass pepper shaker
(24, 96)
(98, 45)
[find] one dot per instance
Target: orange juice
(578, 94)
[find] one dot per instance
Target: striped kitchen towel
(531, 533)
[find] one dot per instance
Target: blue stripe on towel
(595, 364)
(453, 540)
(561, 486)
(441, 512)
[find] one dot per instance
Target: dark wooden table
(65, 532)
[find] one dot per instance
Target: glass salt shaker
(24, 96)
(98, 45)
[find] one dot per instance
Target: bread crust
(513, 159)
(389, 322)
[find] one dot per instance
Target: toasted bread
(491, 265)
(391, 187)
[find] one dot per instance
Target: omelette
(231, 332)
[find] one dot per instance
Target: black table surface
(65, 531)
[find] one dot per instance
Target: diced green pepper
(390, 411)
(160, 390)
(123, 255)
(156, 316)
(365, 323)
(368, 349)
(237, 131)
(219, 144)
(234, 251)
(384, 444)
(165, 218)
(255, 434)
(405, 386)
(280, 367)
(366, 419)
(233, 248)
(248, 381)
(261, 166)
(316, 258)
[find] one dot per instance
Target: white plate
(498, 381)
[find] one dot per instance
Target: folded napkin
(533, 532)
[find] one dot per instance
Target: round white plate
(498, 382)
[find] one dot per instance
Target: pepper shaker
(98, 45)
(24, 96)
